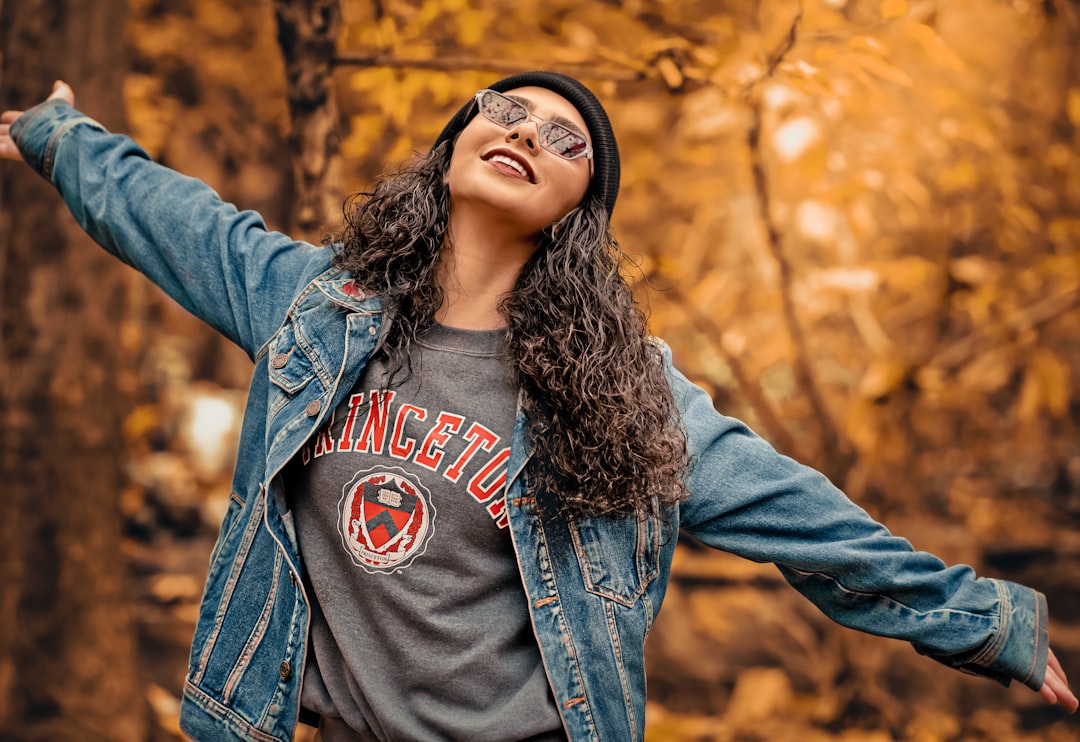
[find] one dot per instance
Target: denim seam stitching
(293, 633)
(894, 601)
(1035, 640)
(258, 631)
(55, 140)
(640, 564)
(997, 642)
(309, 350)
(290, 652)
(624, 682)
(239, 561)
(567, 638)
(223, 713)
(292, 311)
(228, 532)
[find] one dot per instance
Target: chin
(527, 205)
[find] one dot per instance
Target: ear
(450, 145)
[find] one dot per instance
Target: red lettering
(495, 471)
(345, 443)
(497, 510)
(399, 448)
(324, 442)
(431, 454)
(479, 438)
(373, 435)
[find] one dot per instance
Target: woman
(464, 464)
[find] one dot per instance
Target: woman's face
(508, 172)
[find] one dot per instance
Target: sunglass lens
(501, 109)
(563, 141)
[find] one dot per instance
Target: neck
(481, 264)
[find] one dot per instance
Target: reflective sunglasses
(555, 138)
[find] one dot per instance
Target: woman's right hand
(8, 150)
(1055, 688)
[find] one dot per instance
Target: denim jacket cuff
(39, 131)
(1019, 649)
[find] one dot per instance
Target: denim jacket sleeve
(221, 264)
(749, 500)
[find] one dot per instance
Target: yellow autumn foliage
(855, 222)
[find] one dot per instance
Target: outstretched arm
(219, 262)
(749, 500)
(8, 150)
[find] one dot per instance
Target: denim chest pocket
(290, 368)
(619, 558)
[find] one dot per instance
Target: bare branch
(1029, 318)
(836, 459)
(772, 426)
(456, 64)
(774, 59)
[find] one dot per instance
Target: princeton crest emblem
(386, 519)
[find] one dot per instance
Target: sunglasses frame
(587, 153)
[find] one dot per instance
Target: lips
(512, 161)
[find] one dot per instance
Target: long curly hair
(603, 424)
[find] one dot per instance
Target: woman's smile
(510, 163)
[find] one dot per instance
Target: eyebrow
(556, 118)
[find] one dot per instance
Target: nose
(526, 130)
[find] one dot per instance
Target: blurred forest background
(857, 222)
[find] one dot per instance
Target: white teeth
(511, 162)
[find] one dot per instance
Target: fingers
(8, 150)
(62, 91)
(1053, 662)
(1047, 692)
(1055, 688)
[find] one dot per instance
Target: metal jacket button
(279, 360)
(285, 670)
(313, 408)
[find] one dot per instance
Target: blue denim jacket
(594, 586)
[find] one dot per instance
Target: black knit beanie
(605, 179)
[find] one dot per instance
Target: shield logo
(387, 512)
(386, 519)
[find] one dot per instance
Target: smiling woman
(464, 464)
(522, 146)
(535, 255)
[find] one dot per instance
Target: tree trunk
(68, 668)
(307, 33)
